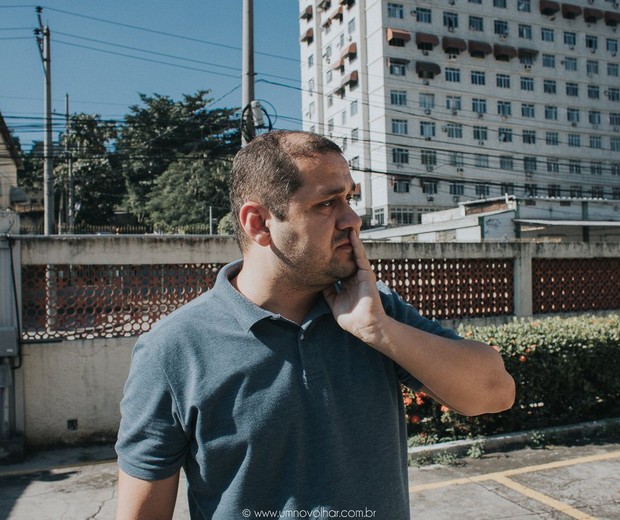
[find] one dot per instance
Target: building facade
(440, 101)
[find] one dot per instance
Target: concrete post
(523, 280)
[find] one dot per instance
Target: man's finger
(359, 251)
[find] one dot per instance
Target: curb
(511, 441)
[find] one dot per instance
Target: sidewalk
(559, 482)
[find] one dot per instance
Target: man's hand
(357, 306)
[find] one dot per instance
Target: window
(402, 215)
(530, 190)
(529, 136)
(450, 20)
(552, 139)
(429, 187)
(507, 187)
(527, 110)
(612, 45)
(574, 166)
(597, 192)
(553, 166)
(530, 164)
(574, 140)
(454, 130)
(400, 126)
(482, 190)
(575, 192)
(423, 15)
(427, 129)
(355, 135)
(452, 74)
(311, 108)
(551, 112)
(398, 97)
(400, 156)
(310, 60)
(615, 169)
(596, 141)
(591, 67)
(398, 67)
(456, 159)
(395, 10)
(591, 42)
(525, 31)
(479, 105)
(477, 77)
(481, 133)
(546, 34)
(351, 26)
(614, 144)
(454, 103)
(612, 69)
(570, 38)
(614, 118)
(570, 64)
(613, 94)
(501, 27)
(379, 217)
(504, 108)
(481, 160)
(596, 168)
(457, 188)
(328, 79)
(428, 157)
(594, 92)
(572, 115)
(355, 164)
(615, 192)
(504, 135)
(427, 100)
(548, 60)
(330, 125)
(401, 185)
(524, 6)
(353, 107)
(572, 89)
(343, 118)
(554, 190)
(476, 24)
(506, 162)
(527, 84)
(499, 3)
(502, 80)
(549, 86)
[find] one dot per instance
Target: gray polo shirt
(266, 415)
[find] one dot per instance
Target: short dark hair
(264, 171)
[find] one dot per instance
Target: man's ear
(254, 219)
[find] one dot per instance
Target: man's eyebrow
(336, 190)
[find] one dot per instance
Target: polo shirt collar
(246, 312)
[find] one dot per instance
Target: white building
(441, 101)
(512, 218)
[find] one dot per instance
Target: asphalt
(532, 475)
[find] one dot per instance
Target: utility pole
(68, 152)
(247, 73)
(43, 41)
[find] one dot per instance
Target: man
(278, 391)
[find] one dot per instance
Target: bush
(565, 369)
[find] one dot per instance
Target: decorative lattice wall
(575, 284)
(88, 301)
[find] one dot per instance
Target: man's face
(313, 241)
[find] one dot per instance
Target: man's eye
(327, 203)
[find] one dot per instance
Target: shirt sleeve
(402, 311)
(151, 441)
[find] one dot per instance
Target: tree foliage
(185, 137)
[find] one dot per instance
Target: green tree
(97, 184)
(161, 133)
(186, 191)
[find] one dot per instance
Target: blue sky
(106, 52)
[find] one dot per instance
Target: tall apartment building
(440, 101)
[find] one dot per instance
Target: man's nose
(349, 219)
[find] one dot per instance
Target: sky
(105, 52)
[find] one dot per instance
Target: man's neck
(274, 294)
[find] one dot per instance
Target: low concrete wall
(70, 381)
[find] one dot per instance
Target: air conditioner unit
(503, 36)
(480, 115)
(595, 127)
(460, 170)
(571, 47)
(450, 29)
(573, 123)
(430, 198)
(456, 198)
(427, 111)
(455, 112)
(592, 50)
(616, 129)
(452, 57)
(425, 53)
(413, 12)
(451, 2)
(428, 138)
(429, 167)
(528, 67)
(426, 82)
(480, 143)
(529, 173)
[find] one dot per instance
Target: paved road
(556, 483)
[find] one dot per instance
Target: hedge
(567, 370)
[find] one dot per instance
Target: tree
(183, 136)
(186, 191)
(97, 184)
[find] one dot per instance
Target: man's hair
(265, 172)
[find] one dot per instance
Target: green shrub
(565, 369)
